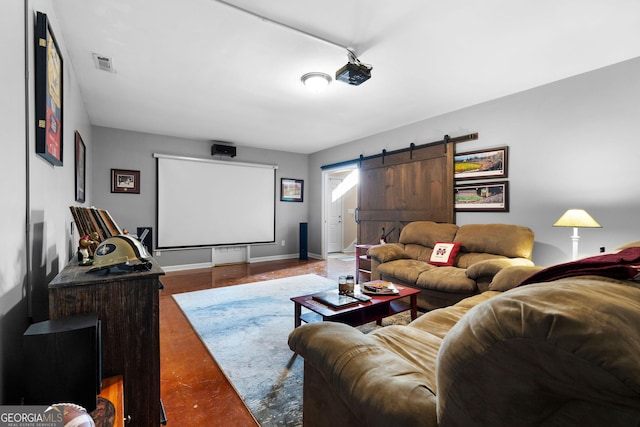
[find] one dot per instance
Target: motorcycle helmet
(121, 252)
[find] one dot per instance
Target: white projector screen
(202, 202)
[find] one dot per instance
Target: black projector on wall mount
(354, 74)
(225, 150)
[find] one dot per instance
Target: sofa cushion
(419, 252)
(491, 267)
(447, 279)
(466, 259)
(439, 322)
(513, 241)
(510, 277)
(427, 233)
(415, 346)
(406, 270)
(387, 252)
(444, 253)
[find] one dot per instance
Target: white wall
(52, 188)
(13, 308)
(573, 143)
(32, 189)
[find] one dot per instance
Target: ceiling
(208, 70)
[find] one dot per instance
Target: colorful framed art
(291, 190)
(48, 93)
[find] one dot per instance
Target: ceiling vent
(103, 63)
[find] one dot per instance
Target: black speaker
(63, 362)
(227, 150)
(304, 237)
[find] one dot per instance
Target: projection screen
(203, 202)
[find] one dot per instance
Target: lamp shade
(576, 218)
(316, 82)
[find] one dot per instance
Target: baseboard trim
(184, 267)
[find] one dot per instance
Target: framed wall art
(48, 93)
(125, 181)
(291, 190)
(81, 163)
(481, 164)
(482, 197)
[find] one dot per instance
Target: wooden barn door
(403, 186)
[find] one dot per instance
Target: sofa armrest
(378, 387)
(490, 267)
(375, 274)
(510, 277)
(388, 252)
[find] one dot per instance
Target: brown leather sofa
(484, 250)
(558, 353)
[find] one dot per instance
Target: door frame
(326, 202)
(339, 228)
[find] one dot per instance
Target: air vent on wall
(103, 63)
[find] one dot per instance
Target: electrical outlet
(282, 243)
(158, 253)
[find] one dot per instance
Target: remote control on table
(362, 297)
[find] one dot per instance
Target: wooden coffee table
(378, 308)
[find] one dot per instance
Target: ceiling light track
(283, 25)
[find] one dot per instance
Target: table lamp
(576, 218)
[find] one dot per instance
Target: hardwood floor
(194, 390)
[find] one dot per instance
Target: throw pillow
(444, 253)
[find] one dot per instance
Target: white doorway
(339, 203)
(334, 221)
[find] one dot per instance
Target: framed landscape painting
(481, 164)
(482, 197)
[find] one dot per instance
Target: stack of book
(89, 220)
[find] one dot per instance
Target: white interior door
(335, 219)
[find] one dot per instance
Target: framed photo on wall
(481, 164)
(125, 181)
(482, 197)
(291, 190)
(48, 93)
(81, 163)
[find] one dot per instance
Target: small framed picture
(125, 181)
(291, 190)
(81, 163)
(482, 197)
(481, 164)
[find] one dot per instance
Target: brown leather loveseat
(484, 250)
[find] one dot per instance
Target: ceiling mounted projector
(354, 72)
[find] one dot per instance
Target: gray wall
(121, 149)
(573, 143)
(32, 189)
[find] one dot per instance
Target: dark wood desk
(127, 305)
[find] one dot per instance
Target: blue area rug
(245, 328)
